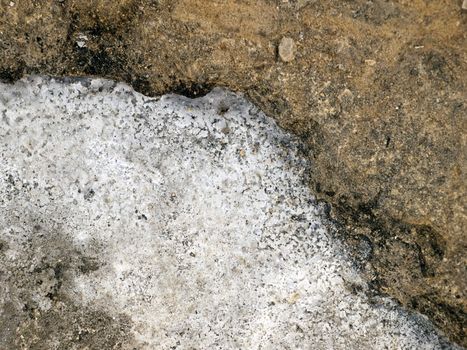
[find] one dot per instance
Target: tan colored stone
(287, 49)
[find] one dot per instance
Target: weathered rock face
(376, 89)
(175, 223)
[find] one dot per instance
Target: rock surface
(377, 90)
(287, 49)
(132, 222)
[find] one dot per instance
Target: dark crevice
(191, 89)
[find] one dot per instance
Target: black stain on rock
(438, 311)
(141, 84)
(37, 299)
(3, 246)
(387, 250)
(98, 62)
(436, 65)
(11, 74)
(192, 89)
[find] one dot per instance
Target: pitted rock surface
(133, 222)
(376, 90)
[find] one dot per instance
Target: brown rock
(391, 158)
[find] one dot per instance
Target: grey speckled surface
(170, 223)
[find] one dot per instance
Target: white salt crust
(207, 234)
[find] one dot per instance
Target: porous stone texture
(129, 222)
(376, 90)
(287, 49)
